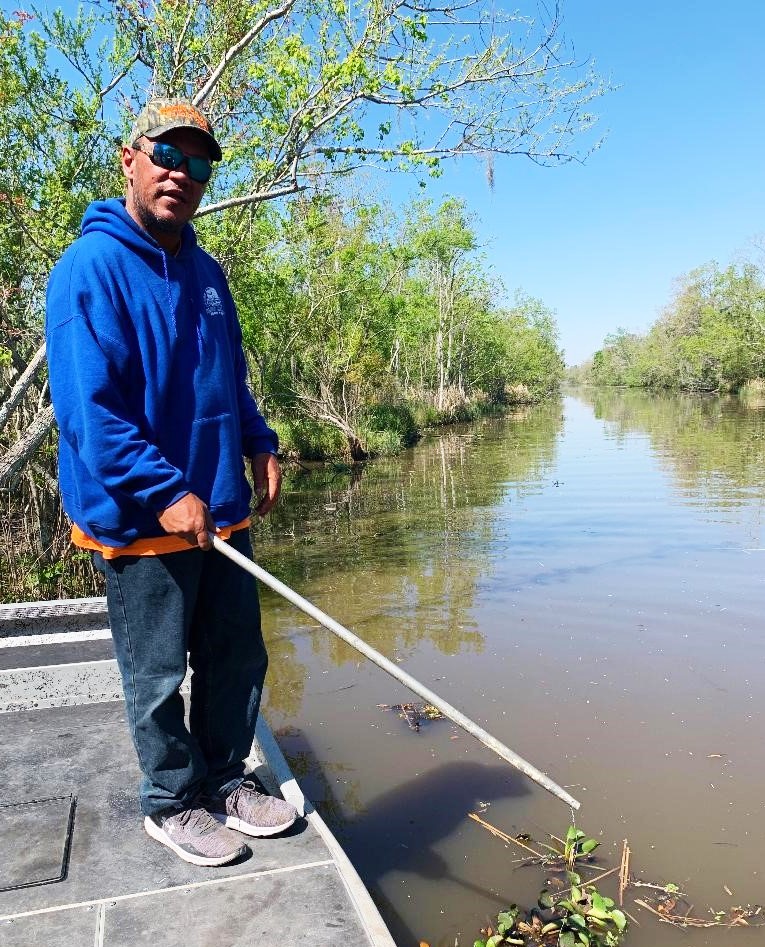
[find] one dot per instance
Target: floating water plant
(415, 713)
(573, 912)
(583, 917)
(588, 919)
(577, 915)
(577, 845)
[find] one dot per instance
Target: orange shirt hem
(154, 546)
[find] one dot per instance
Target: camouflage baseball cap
(163, 115)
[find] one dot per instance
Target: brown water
(586, 581)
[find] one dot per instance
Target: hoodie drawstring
(169, 293)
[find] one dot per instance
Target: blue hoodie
(148, 381)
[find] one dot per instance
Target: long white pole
(407, 680)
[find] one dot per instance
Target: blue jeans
(160, 608)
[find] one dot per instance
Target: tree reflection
(396, 553)
(713, 445)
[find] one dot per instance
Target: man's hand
(190, 519)
(267, 475)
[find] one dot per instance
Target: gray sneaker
(249, 809)
(195, 836)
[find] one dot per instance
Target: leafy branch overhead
(305, 90)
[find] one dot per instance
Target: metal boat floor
(121, 888)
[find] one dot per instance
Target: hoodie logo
(213, 303)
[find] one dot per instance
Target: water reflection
(713, 445)
(396, 550)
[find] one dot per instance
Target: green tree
(304, 90)
(616, 363)
(438, 244)
(533, 358)
(343, 273)
(710, 337)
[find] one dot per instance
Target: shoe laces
(249, 786)
(199, 819)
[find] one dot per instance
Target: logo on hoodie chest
(212, 303)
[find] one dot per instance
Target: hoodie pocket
(216, 468)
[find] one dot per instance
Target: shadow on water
(399, 830)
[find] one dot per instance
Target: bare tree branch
(255, 198)
(21, 386)
(119, 77)
(177, 59)
(21, 453)
(233, 51)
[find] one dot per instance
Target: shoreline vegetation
(709, 338)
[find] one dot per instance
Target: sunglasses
(171, 158)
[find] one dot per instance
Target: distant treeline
(711, 337)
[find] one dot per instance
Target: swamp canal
(585, 580)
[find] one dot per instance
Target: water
(586, 581)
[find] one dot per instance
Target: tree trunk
(356, 450)
(24, 448)
(21, 386)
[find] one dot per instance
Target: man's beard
(152, 223)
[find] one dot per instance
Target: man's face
(163, 201)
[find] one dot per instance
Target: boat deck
(77, 867)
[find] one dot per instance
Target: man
(148, 382)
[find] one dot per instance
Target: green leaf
(598, 913)
(545, 899)
(495, 940)
(567, 939)
(619, 919)
(479, 943)
(584, 938)
(507, 918)
(589, 846)
(573, 878)
(598, 901)
(573, 834)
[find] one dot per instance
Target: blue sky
(679, 181)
